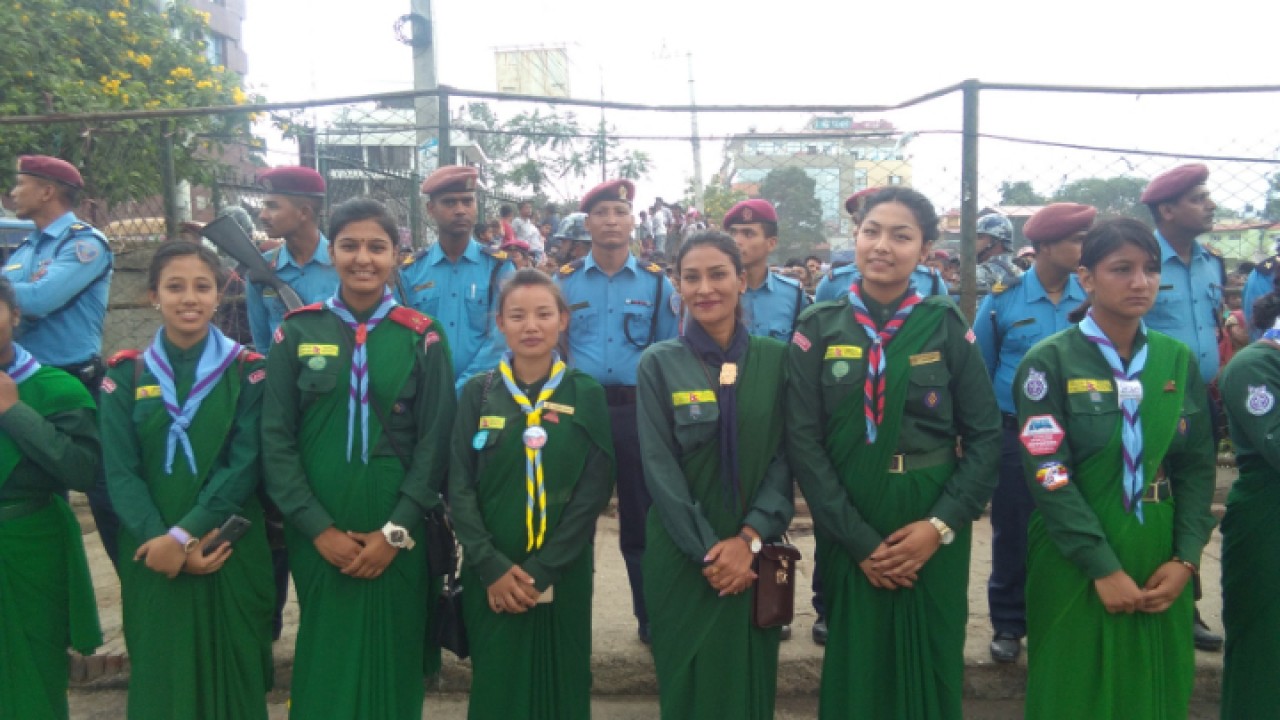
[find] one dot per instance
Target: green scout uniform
(534, 665)
(199, 645)
(356, 654)
(712, 662)
(1083, 661)
(1250, 561)
(48, 444)
(892, 653)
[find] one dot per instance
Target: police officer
(1192, 277)
(291, 211)
(835, 284)
(620, 307)
(1262, 280)
(574, 240)
(995, 253)
(1009, 321)
(772, 302)
(62, 275)
(456, 280)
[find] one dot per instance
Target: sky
(830, 52)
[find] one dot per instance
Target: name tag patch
(844, 352)
(692, 397)
(557, 407)
(145, 392)
(317, 351)
(492, 422)
(925, 358)
(1083, 385)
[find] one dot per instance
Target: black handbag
(450, 630)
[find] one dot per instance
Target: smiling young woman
(711, 439)
(1118, 452)
(883, 382)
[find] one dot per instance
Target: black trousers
(633, 498)
(90, 374)
(1011, 507)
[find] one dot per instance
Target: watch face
(397, 537)
(756, 545)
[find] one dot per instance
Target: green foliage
(717, 198)
(539, 153)
(1272, 210)
(791, 191)
(80, 56)
(1114, 197)
(1020, 192)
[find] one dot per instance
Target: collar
(56, 228)
(1035, 289)
(436, 255)
(589, 263)
(1167, 252)
(178, 355)
(321, 255)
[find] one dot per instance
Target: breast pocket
(696, 424)
(1092, 422)
(929, 390)
(840, 379)
(637, 321)
(478, 313)
(426, 298)
(316, 382)
(1021, 337)
(585, 325)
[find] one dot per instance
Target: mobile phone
(549, 595)
(232, 530)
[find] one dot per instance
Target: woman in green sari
(355, 436)
(883, 384)
(532, 467)
(1250, 563)
(182, 451)
(711, 439)
(1118, 449)
(48, 445)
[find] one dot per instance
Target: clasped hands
(165, 555)
(896, 562)
(360, 555)
(1120, 594)
(727, 566)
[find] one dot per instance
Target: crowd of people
(1084, 403)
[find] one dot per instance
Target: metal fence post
(446, 150)
(168, 179)
(969, 201)
(415, 212)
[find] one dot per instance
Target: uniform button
(611, 310)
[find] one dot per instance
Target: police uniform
(996, 273)
(1262, 281)
(614, 318)
(1008, 323)
(1190, 300)
(835, 284)
(771, 309)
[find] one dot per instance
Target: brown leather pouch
(774, 603)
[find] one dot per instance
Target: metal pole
(604, 171)
(446, 149)
(426, 109)
(969, 201)
(697, 142)
(169, 179)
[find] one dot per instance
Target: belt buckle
(897, 464)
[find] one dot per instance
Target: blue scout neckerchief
(359, 365)
(219, 351)
(1131, 431)
(23, 366)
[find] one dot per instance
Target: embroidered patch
(1260, 400)
(492, 422)
(970, 336)
(317, 362)
(425, 286)
(1081, 385)
(257, 376)
(1041, 435)
(801, 341)
(566, 409)
(925, 358)
(839, 369)
(841, 352)
(480, 438)
(278, 336)
(11, 268)
(931, 399)
(692, 397)
(431, 339)
(1035, 387)
(108, 385)
(551, 416)
(580, 306)
(145, 392)
(322, 350)
(1171, 386)
(1053, 476)
(87, 250)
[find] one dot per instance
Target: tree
(1020, 192)
(1113, 197)
(1272, 210)
(791, 191)
(79, 56)
(717, 199)
(538, 152)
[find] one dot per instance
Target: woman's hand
(1119, 593)
(162, 554)
(905, 552)
(728, 568)
(879, 579)
(200, 564)
(1164, 586)
(513, 592)
(374, 556)
(8, 392)
(336, 548)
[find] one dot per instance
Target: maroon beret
(50, 168)
(1171, 184)
(619, 190)
(854, 203)
(1058, 221)
(451, 179)
(515, 244)
(750, 211)
(292, 180)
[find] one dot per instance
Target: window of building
(895, 179)
(215, 48)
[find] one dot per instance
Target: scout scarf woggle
(535, 438)
(1131, 431)
(726, 360)
(873, 388)
(24, 365)
(219, 351)
(359, 366)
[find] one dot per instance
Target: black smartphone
(232, 530)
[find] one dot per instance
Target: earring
(156, 306)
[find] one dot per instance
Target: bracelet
(1186, 564)
(182, 536)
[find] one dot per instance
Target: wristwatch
(943, 529)
(184, 539)
(751, 541)
(397, 537)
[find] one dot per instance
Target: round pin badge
(317, 362)
(535, 438)
(480, 438)
(1260, 400)
(839, 369)
(1035, 387)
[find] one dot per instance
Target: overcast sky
(824, 51)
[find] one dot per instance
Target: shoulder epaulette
(415, 257)
(1268, 264)
(786, 280)
(124, 355)
(250, 356)
(494, 253)
(653, 268)
(1000, 287)
(570, 268)
(313, 307)
(409, 318)
(1213, 251)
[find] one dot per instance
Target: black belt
(22, 508)
(89, 373)
(1159, 490)
(620, 394)
(1010, 421)
(903, 462)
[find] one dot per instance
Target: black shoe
(643, 632)
(1206, 640)
(786, 632)
(820, 632)
(1006, 647)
